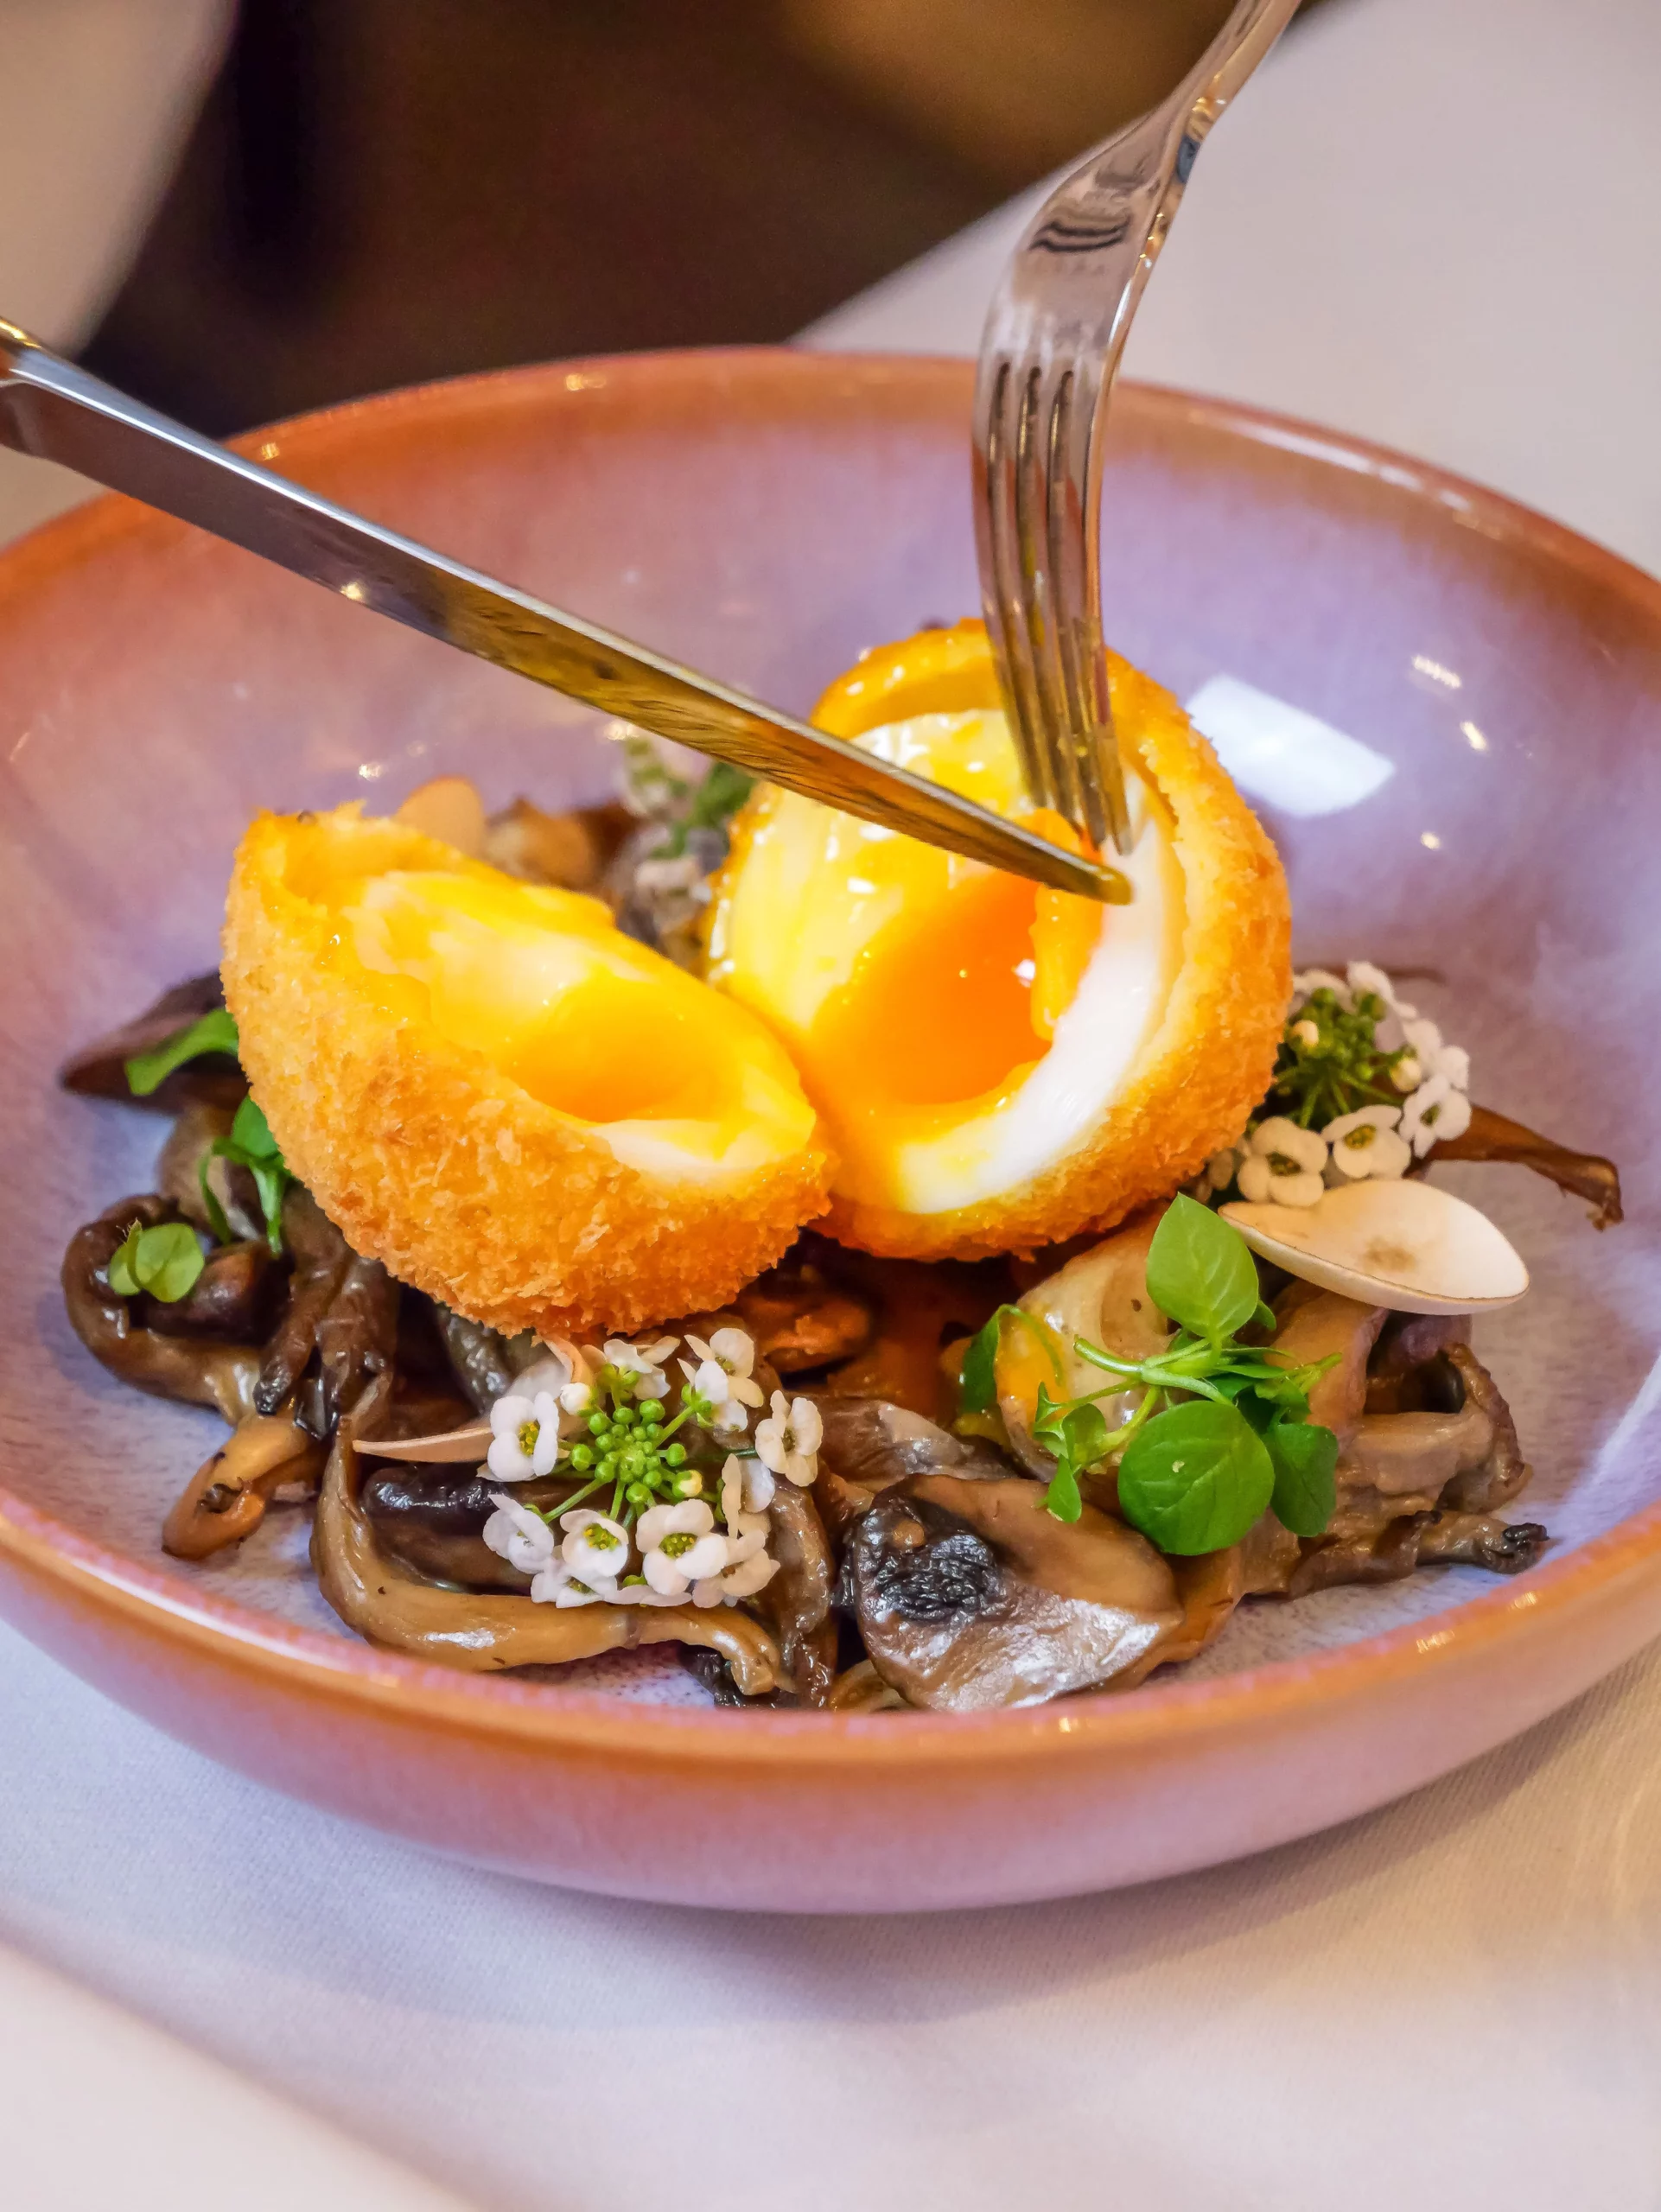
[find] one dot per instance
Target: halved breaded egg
(999, 1066)
(492, 1089)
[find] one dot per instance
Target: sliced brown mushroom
(432, 1519)
(485, 1362)
(1587, 1175)
(968, 1595)
(573, 850)
(197, 1370)
(860, 1688)
(233, 1299)
(320, 1258)
(868, 1444)
(341, 1306)
(1503, 1472)
(100, 1070)
(225, 1499)
(797, 1603)
(486, 1632)
(1315, 1324)
(800, 1319)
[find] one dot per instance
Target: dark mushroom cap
(969, 1595)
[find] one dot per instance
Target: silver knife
(50, 408)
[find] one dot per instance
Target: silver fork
(1053, 337)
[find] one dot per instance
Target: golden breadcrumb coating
(1210, 1060)
(432, 1160)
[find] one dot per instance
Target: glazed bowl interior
(766, 517)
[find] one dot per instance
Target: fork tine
(1003, 596)
(1075, 523)
(1032, 530)
(1055, 331)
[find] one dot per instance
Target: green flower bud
(581, 1457)
(652, 1413)
(674, 1455)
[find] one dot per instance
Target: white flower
(1407, 1074)
(723, 1376)
(743, 1581)
(746, 1486)
(679, 1547)
(789, 1443)
(595, 1546)
(1367, 1143)
(1282, 1162)
(644, 1362)
(1362, 977)
(1452, 1062)
(523, 1538)
(1435, 1110)
(523, 1436)
(575, 1398)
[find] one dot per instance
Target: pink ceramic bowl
(766, 515)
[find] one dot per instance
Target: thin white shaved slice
(1404, 1245)
(451, 1445)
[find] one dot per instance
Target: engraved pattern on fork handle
(1053, 338)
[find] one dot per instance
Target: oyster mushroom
(1587, 1175)
(100, 1070)
(969, 1596)
(869, 1444)
(197, 1370)
(1402, 1244)
(486, 1632)
(225, 1499)
(796, 1604)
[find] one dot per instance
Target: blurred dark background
(380, 191)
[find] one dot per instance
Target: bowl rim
(49, 1551)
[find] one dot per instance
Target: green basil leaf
(1062, 1498)
(250, 1133)
(1195, 1478)
(1306, 1493)
(119, 1272)
(1200, 1271)
(214, 1033)
(167, 1260)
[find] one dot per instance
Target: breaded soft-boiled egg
(999, 1066)
(492, 1089)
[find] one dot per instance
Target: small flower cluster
(1363, 1086)
(603, 1419)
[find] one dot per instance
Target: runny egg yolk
(954, 997)
(585, 1019)
(954, 1025)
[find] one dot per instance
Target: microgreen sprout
(214, 1033)
(249, 1145)
(164, 1260)
(1222, 1429)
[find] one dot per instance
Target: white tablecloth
(1456, 2002)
